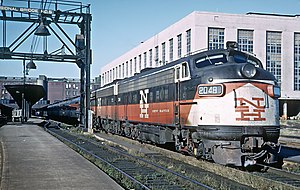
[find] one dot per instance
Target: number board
(210, 90)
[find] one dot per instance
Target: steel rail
(286, 177)
(134, 157)
(109, 164)
(156, 165)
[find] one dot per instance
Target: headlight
(248, 70)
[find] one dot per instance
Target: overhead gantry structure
(47, 18)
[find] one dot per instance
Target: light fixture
(42, 30)
(248, 70)
(31, 65)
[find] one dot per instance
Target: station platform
(31, 158)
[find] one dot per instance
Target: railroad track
(267, 180)
(153, 171)
(141, 175)
(289, 140)
(282, 176)
(157, 171)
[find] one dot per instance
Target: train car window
(151, 96)
(167, 93)
(210, 60)
(112, 100)
(162, 94)
(135, 99)
(157, 96)
(130, 98)
(177, 73)
(182, 72)
(185, 70)
(124, 98)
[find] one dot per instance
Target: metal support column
(23, 95)
(82, 95)
(88, 66)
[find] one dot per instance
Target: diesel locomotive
(220, 105)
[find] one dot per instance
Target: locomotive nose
(248, 70)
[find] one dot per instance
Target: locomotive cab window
(182, 72)
(240, 57)
(210, 60)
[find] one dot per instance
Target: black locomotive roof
(190, 59)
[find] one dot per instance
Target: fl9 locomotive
(219, 105)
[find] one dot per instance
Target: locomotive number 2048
(210, 90)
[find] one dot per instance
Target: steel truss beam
(59, 12)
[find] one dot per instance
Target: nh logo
(144, 103)
(250, 110)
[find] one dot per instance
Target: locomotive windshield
(222, 58)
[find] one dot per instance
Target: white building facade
(274, 39)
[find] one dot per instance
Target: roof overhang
(32, 93)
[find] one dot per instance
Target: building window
(126, 70)
(130, 67)
(163, 53)
(116, 76)
(179, 41)
(274, 54)
(102, 79)
(113, 77)
(188, 41)
(150, 57)
(140, 63)
(123, 70)
(135, 65)
(297, 61)
(110, 75)
(245, 40)
(120, 71)
(171, 49)
(145, 59)
(156, 56)
(215, 38)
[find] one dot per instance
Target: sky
(120, 25)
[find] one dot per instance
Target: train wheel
(198, 150)
(134, 133)
(178, 144)
(127, 131)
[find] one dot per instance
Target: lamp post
(30, 65)
(41, 31)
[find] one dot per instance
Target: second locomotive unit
(219, 105)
